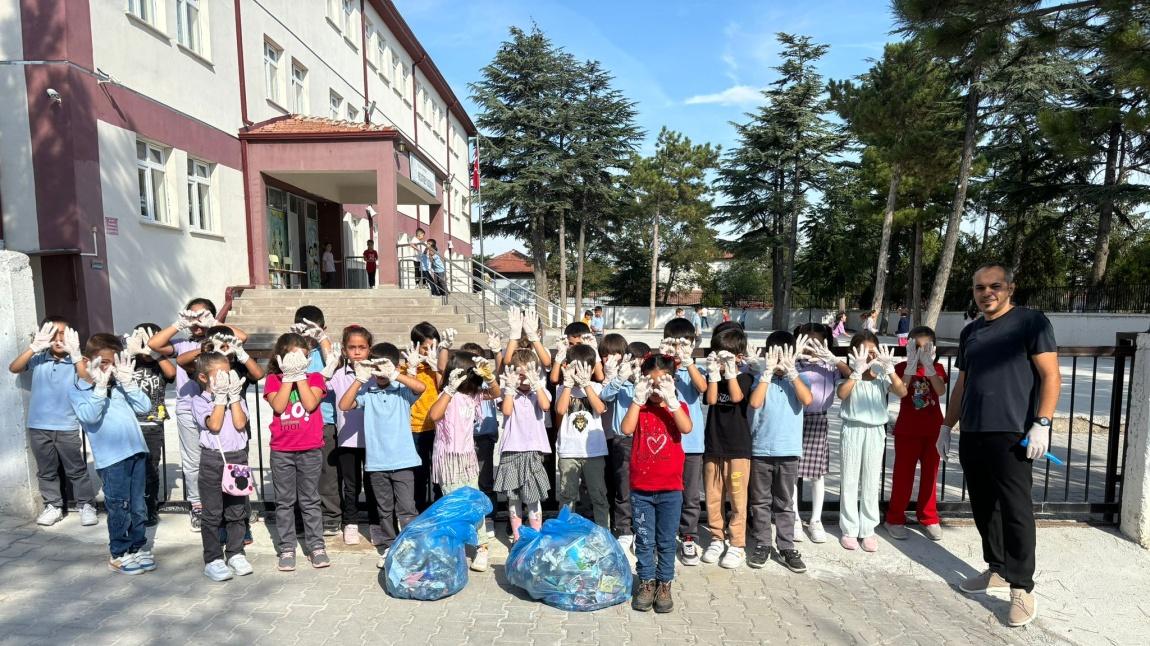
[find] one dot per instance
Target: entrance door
(294, 261)
(278, 247)
(311, 241)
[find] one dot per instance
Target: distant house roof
(512, 263)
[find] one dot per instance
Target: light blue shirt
(437, 264)
(693, 442)
(620, 393)
(777, 430)
(327, 404)
(866, 405)
(52, 379)
(488, 423)
(110, 422)
(387, 427)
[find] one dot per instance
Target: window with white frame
(200, 195)
(333, 10)
(150, 169)
(406, 84)
(381, 55)
(336, 102)
(352, 113)
(188, 25)
(272, 56)
(298, 88)
(345, 18)
(395, 65)
(144, 10)
(369, 34)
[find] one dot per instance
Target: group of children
(643, 431)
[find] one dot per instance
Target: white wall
(155, 269)
(16, 177)
(17, 321)
(1136, 470)
(1070, 328)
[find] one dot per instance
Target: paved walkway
(56, 590)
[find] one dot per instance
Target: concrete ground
(57, 590)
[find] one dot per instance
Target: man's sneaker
(382, 562)
(933, 532)
(818, 534)
(663, 602)
(331, 530)
(88, 515)
(375, 532)
(319, 558)
(479, 563)
(126, 564)
(759, 556)
(50, 516)
(240, 565)
(714, 551)
(733, 558)
(627, 542)
(986, 582)
(194, 518)
(286, 562)
(870, 544)
(146, 559)
(644, 597)
(1023, 608)
(897, 532)
(217, 571)
(793, 560)
(849, 543)
(689, 551)
(351, 535)
(488, 526)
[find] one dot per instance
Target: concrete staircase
(389, 312)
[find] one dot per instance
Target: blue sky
(692, 66)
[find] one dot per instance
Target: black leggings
(351, 460)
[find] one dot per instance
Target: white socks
(818, 494)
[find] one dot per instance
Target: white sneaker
(239, 565)
(689, 552)
(479, 563)
(382, 559)
(714, 551)
(818, 534)
(217, 570)
(489, 526)
(627, 543)
(351, 535)
(146, 560)
(799, 537)
(50, 516)
(733, 559)
(88, 515)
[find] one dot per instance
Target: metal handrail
(478, 273)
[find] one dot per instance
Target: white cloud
(734, 95)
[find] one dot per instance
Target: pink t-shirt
(295, 429)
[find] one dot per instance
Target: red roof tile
(512, 262)
(295, 124)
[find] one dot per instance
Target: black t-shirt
(1002, 384)
(728, 433)
(155, 385)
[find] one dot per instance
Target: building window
(299, 88)
(199, 195)
(333, 11)
(272, 55)
(369, 34)
(150, 171)
(336, 102)
(144, 10)
(345, 18)
(381, 55)
(352, 114)
(405, 84)
(188, 24)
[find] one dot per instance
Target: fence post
(1135, 518)
(17, 320)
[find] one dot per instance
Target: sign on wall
(421, 174)
(111, 226)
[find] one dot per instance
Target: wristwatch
(1042, 421)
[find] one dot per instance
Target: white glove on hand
(534, 381)
(756, 361)
(42, 338)
(235, 387)
(911, 360)
(886, 359)
(683, 351)
(309, 330)
(1038, 441)
(221, 384)
(667, 346)
(942, 444)
(927, 354)
(560, 350)
(802, 347)
(788, 356)
(454, 381)
(72, 345)
(136, 344)
(643, 389)
(666, 389)
(531, 324)
(386, 369)
(859, 361)
(713, 368)
(185, 319)
(485, 368)
(222, 343)
(332, 362)
(730, 364)
(495, 342)
(432, 357)
(568, 372)
(509, 381)
(448, 338)
(293, 366)
(205, 319)
(364, 370)
(589, 339)
(611, 367)
(821, 350)
(125, 368)
(515, 323)
(101, 375)
(582, 376)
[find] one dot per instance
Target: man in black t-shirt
(1007, 389)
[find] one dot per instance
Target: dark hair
(419, 230)
(101, 341)
(817, 330)
(433, 244)
(356, 330)
(598, 308)
(424, 332)
(724, 326)
(578, 328)
(206, 360)
(218, 329)
(207, 304)
(385, 350)
(1006, 272)
(922, 330)
(731, 339)
(659, 361)
(311, 313)
(150, 328)
(638, 349)
(581, 352)
(862, 337)
(477, 350)
(54, 318)
(465, 361)
(780, 338)
(612, 344)
(586, 312)
(284, 343)
(698, 307)
(679, 328)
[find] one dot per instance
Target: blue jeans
(655, 520)
(124, 501)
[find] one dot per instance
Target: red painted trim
(363, 51)
(240, 61)
(319, 136)
(247, 218)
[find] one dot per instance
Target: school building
(152, 151)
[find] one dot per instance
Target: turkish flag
(475, 168)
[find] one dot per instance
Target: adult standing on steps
(1006, 391)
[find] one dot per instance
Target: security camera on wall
(55, 96)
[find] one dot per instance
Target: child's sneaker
(126, 564)
(351, 535)
(849, 542)
(375, 532)
(146, 560)
(799, 538)
(217, 571)
(50, 516)
(240, 565)
(793, 560)
(897, 532)
(382, 562)
(689, 551)
(286, 562)
(331, 530)
(818, 534)
(733, 558)
(663, 602)
(933, 532)
(194, 518)
(319, 558)
(88, 515)
(714, 551)
(627, 542)
(479, 563)
(759, 556)
(644, 597)
(488, 526)
(870, 544)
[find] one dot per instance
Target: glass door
(311, 240)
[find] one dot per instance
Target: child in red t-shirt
(370, 258)
(915, 435)
(656, 420)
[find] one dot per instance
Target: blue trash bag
(428, 560)
(571, 563)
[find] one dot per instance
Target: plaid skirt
(816, 459)
(522, 474)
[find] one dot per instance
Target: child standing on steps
(581, 442)
(863, 437)
(691, 384)
(521, 475)
(296, 449)
(454, 464)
